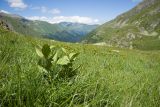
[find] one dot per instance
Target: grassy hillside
(107, 77)
(18, 24)
(44, 28)
(141, 22)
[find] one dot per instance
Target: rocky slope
(136, 28)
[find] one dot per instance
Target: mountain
(64, 31)
(17, 23)
(72, 32)
(137, 28)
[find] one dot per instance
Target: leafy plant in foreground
(56, 62)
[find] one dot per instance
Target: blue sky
(82, 11)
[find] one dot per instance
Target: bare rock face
(5, 25)
(145, 4)
(120, 23)
(131, 36)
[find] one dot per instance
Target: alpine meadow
(80, 53)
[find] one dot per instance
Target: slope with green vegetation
(65, 31)
(107, 76)
(70, 32)
(17, 24)
(142, 23)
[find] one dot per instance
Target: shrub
(56, 63)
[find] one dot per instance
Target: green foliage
(128, 78)
(57, 62)
(147, 43)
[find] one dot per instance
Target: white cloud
(58, 19)
(77, 19)
(43, 18)
(4, 11)
(17, 4)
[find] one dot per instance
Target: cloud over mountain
(58, 19)
(17, 4)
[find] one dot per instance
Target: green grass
(147, 43)
(129, 78)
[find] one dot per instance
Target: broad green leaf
(51, 47)
(46, 50)
(42, 70)
(63, 61)
(72, 56)
(38, 51)
(64, 50)
(55, 57)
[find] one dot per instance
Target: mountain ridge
(127, 29)
(74, 31)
